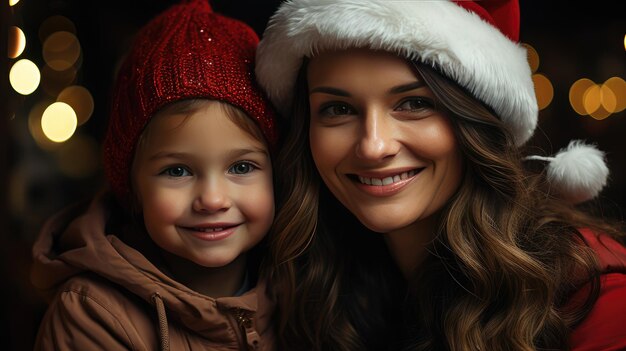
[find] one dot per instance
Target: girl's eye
(415, 105)
(176, 172)
(336, 110)
(242, 168)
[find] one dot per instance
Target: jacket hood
(74, 241)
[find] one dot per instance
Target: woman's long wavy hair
(505, 259)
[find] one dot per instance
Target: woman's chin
(383, 224)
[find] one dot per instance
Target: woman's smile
(385, 183)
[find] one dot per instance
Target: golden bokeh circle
(24, 77)
(17, 42)
(543, 90)
(59, 122)
(81, 101)
(576, 93)
(618, 86)
(61, 50)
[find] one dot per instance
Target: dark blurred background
(577, 52)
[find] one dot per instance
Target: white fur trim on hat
(467, 49)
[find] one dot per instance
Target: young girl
(407, 119)
(168, 258)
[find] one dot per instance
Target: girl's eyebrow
(245, 151)
(187, 155)
(169, 154)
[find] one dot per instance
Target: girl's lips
(213, 233)
(385, 186)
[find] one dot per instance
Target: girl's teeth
(388, 180)
(209, 230)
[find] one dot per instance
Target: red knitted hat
(186, 52)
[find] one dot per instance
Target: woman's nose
(377, 139)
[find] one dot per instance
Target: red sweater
(605, 326)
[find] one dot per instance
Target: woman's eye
(415, 105)
(242, 168)
(336, 110)
(176, 172)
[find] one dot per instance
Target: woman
(413, 113)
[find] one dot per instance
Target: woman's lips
(385, 185)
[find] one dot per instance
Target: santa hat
(186, 52)
(472, 42)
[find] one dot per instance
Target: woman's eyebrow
(395, 90)
(406, 87)
(330, 90)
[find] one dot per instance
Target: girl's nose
(212, 197)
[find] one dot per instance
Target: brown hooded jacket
(106, 295)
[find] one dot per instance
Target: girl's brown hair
(505, 259)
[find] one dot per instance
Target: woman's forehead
(360, 68)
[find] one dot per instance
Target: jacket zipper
(241, 321)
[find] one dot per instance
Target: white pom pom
(578, 172)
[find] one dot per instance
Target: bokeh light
(79, 157)
(24, 77)
(55, 24)
(600, 114)
(576, 93)
(34, 125)
(13, 2)
(533, 57)
(592, 99)
(607, 98)
(81, 101)
(58, 122)
(618, 86)
(543, 90)
(61, 50)
(17, 42)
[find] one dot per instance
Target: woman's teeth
(387, 180)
